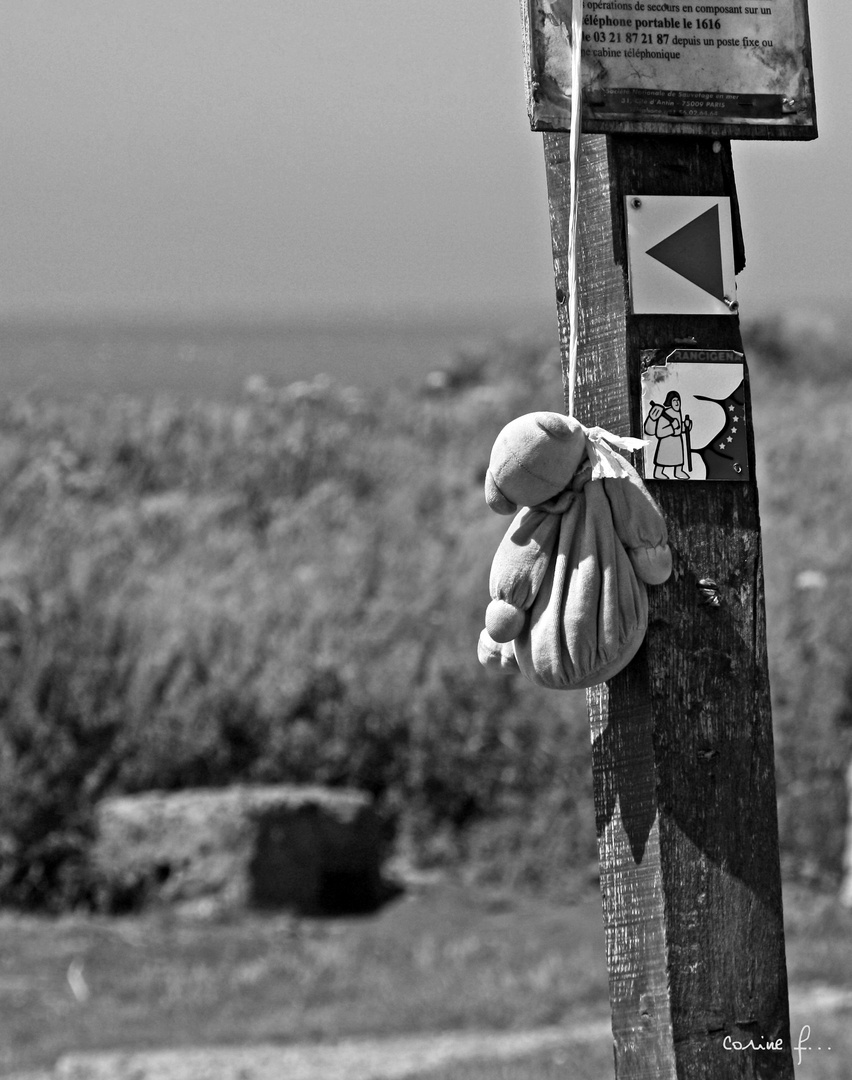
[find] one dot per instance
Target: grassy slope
(447, 958)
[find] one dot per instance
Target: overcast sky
(293, 157)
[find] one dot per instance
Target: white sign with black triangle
(680, 251)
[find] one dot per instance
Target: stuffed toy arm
(639, 525)
(517, 571)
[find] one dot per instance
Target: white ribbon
(600, 435)
(605, 460)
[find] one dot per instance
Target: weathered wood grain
(682, 739)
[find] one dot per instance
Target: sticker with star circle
(694, 415)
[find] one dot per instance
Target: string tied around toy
(602, 446)
(601, 437)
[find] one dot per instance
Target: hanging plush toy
(569, 607)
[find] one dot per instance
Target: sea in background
(215, 359)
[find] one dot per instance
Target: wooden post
(682, 739)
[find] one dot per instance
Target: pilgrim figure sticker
(693, 416)
(667, 424)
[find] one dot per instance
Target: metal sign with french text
(730, 69)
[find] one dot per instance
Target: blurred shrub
(799, 345)
(803, 431)
(290, 589)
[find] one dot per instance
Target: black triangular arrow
(695, 252)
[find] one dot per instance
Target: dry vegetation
(290, 588)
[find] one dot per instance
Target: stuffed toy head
(533, 459)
